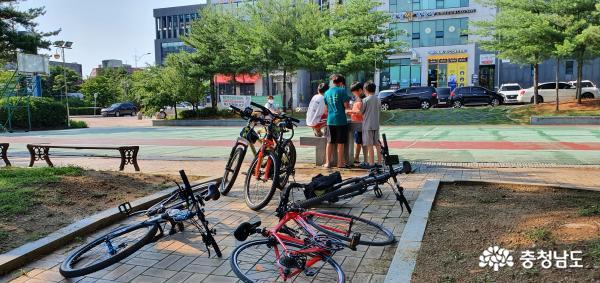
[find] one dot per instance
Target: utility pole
(65, 45)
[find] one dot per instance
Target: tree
(151, 89)
(108, 92)
(18, 31)
(184, 78)
(54, 84)
(520, 32)
(581, 42)
(359, 37)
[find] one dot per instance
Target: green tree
(18, 31)
(582, 40)
(106, 89)
(152, 90)
(54, 84)
(521, 32)
(186, 79)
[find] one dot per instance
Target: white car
(547, 93)
(588, 89)
(510, 92)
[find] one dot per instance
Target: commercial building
(171, 23)
(112, 64)
(73, 66)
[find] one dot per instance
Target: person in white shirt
(271, 104)
(316, 117)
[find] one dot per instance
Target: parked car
(474, 95)
(547, 93)
(443, 96)
(510, 92)
(588, 89)
(119, 109)
(423, 97)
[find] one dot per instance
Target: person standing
(271, 104)
(336, 102)
(370, 110)
(357, 118)
(316, 116)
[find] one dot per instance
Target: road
(485, 143)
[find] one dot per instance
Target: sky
(103, 29)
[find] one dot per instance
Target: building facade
(171, 23)
(112, 64)
(73, 66)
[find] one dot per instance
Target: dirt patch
(71, 198)
(588, 107)
(466, 220)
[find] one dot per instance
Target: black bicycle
(182, 205)
(309, 195)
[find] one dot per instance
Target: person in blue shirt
(336, 103)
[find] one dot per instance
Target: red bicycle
(296, 250)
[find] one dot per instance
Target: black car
(443, 96)
(474, 95)
(410, 98)
(119, 109)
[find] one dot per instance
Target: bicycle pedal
(311, 271)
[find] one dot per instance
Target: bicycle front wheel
(108, 249)
(261, 181)
(256, 261)
(232, 170)
(287, 161)
(341, 226)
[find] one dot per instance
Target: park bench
(320, 144)
(41, 152)
(3, 150)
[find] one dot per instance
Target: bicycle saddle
(212, 193)
(245, 229)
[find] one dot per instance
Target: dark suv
(443, 96)
(474, 95)
(410, 98)
(119, 109)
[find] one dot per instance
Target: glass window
(415, 75)
(464, 3)
(404, 31)
(569, 67)
(464, 27)
(400, 5)
(439, 4)
(416, 5)
(451, 4)
(428, 4)
(428, 33)
(452, 32)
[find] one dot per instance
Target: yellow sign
(451, 70)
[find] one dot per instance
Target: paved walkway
(182, 258)
(488, 143)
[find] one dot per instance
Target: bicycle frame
(299, 218)
(268, 145)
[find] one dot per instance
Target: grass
(589, 210)
(75, 124)
(448, 116)
(594, 252)
(538, 235)
(17, 185)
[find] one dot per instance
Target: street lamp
(62, 45)
(137, 58)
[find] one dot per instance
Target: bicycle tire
(67, 270)
(228, 183)
(235, 255)
(386, 236)
(309, 203)
(286, 171)
(275, 178)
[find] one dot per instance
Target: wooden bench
(41, 152)
(3, 150)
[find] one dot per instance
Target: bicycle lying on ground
(305, 253)
(275, 161)
(354, 186)
(182, 205)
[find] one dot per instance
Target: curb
(405, 258)
(29, 252)
(531, 184)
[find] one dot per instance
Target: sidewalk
(182, 258)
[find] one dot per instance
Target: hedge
(74, 111)
(45, 113)
(207, 113)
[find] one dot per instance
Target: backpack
(321, 185)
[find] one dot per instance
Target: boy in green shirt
(336, 103)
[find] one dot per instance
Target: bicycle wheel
(255, 261)
(258, 191)
(287, 161)
(232, 170)
(372, 234)
(108, 249)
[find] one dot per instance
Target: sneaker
(364, 166)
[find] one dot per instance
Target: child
(356, 116)
(271, 104)
(316, 117)
(370, 110)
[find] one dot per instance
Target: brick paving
(183, 257)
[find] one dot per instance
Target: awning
(241, 78)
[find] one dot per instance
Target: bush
(45, 113)
(75, 111)
(207, 113)
(78, 124)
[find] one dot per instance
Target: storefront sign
(448, 70)
(487, 59)
(410, 16)
(449, 51)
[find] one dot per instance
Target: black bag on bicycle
(321, 185)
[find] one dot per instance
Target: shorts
(370, 137)
(358, 137)
(337, 134)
